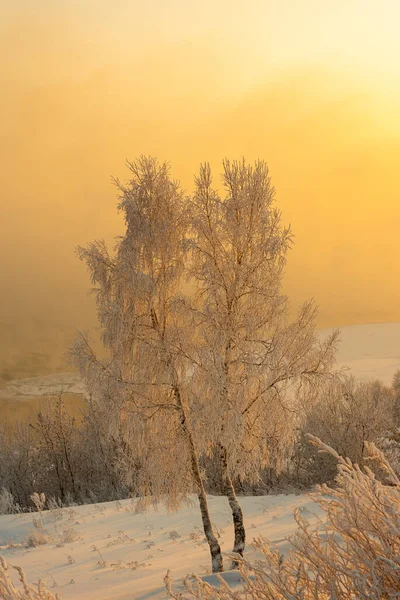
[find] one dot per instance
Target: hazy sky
(311, 86)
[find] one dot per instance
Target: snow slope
(138, 548)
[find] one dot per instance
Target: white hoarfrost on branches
(250, 357)
(355, 555)
(202, 356)
(145, 380)
(345, 415)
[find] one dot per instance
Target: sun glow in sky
(311, 86)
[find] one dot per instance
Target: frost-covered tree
(145, 379)
(212, 370)
(345, 415)
(19, 468)
(249, 355)
(69, 459)
(389, 441)
(57, 436)
(396, 392)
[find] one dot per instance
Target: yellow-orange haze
(311, 87)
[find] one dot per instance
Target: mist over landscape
(200, 300)
(83, 91)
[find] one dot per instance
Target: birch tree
(250, 351)
(187, 375)
(145, 378)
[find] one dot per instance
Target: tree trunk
(237, 513)
(215, 549)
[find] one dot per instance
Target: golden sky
(311, 86)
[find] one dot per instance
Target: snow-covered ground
(370, 352)
(135, 550)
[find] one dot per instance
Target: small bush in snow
(56, 509)
(69, 535)
(7, 504)
(39, 500)
(37, 538)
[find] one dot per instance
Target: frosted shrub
(8, 591)
(56, 509)
(69, 535)
(36, 538)
(39, 500)
(346, 414)
(356, 555)
(7, 503)
(389, 443)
